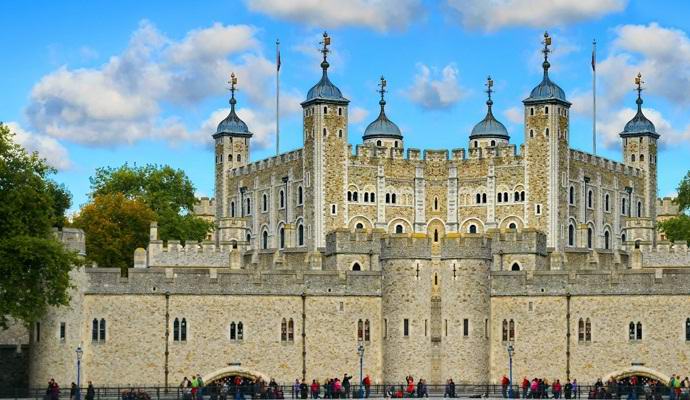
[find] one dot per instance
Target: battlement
(602, 162)
(357, 242)
(204, 207)
(199, 254)
(666, 254)
(526, 241)
(457, 155)
(72, 238)
(268, 163)
(667, 207)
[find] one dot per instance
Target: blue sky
(90, 84)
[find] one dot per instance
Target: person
(568, 389)
(315, 389)
(367, 386)
(90, 392)
(576, 390)
(54, 390)
(504, 386)
(337, 388)
(73, 391)
(524, 387)
(556, 389)
(303, 390)
(295, 389)
(452, 388)
(346, 385)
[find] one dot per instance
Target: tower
(382, 132)
(232, 150)
(489, 132)
(639, 139)
(325, 156)
(546, 155)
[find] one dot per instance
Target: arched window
(367, 331)
(239, 157)
(264, 240)
(325, 132)
(639, 209)
(283, 330)
(522, 196)
(499, 198)
(300, 198)
(399, 229)
(249, 207)
(435, 203)
(393, 199)
(473, 228)
(516, 196)
(233, 331)
(546, 110)
(590, 199)
(589, 237)
(639, 331)
(349, 196)
(356, 267)
(531, 133)
(264, 203)
(291, 330)
(493, 143)
(372, 197)
(360, 330)
(511, 330)
(607, 240)
(484, 198)
(176, 330)
(101, 330)
(229, 157)
(632, 158)
(359, 226)
(687, 330)
(476, 144)
(232, 209)
(94, 330)
(505, 197)
(240, 331)
(623, 237)
(588, 331)
(547, 132)
(281, 197)
(340, 133)
(366, 197)
(479, 198)
(641, 157)
(623, 206)
(606, 202)
(388, 198)
(512, 225)
(515, 267)
(571, 196)
(581, 330)
(355, 196)
(340, 111)
(282, 237)
(183, 330)
(436, 235)
(378, 143)
(571, 235)
(504, 335)
(325, 110)
(300, 235)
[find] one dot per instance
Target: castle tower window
(378, 143)
(393, 200)
(101, 330)
(367, 331)
(436, 203)
(623, 237)
(385, 328)
(499, 198)
(340, 111)
(283, 330)
(479, 198)
(282, 237)
(522, 196)
(38, 332)
(325, 132)
(249, 239)
(355, 196)
(94, 330)
(340, 133)
(63, 331)
(372, 197)
(300, 196)
(537, 209)
(580, 330)
(359, 226)
(623, 206)
(183, 330)
(571, 235)
(436, 235)
(360, 330)
(504, 336)
(349, 196)
(356, 267)
(531, 133)
(264, 203)
(641, 157)
(406, 327)
(511, 330)
(176, 330)
(300, 235)
(229, 157)
(639, 209)
(325, 110)
(505, 197)
(607, 240)
(472, 228)
(531, 111)
(232, 209)
(546, 110)
(399, 229)
(547, 132)
(366, 197)
(396, 143)
(264, 240)
(465, 327)
(516, 196)
(571, 196)
(233, 331)
(388, 198)
(632, 158)
(334, 209)
(515, 267)
(248, 207)
(281, 197)
(606, 202)
(291, 331)
(588, 331)
(512, 225)
(493, 143)
(590, 199)
(589, 238)
(687, 330)
(484, 198)
(476, 144)
(637, 243)
(240, 331)
(239, 158)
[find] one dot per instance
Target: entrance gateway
(235, 370)
(639, 371)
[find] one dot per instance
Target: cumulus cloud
(55, 154)
(121, 101)
(436, 90)
(514, 114)
(357, 115)
(380, 15)
(491, 15)
(661, 55)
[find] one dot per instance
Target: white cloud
(491, 15)
(514, 114)
(357, 115)
(440, 93)
(380, 15)
(55, 154)
(121, 102)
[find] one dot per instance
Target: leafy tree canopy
(678, 228)
(35, 265)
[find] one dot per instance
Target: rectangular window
(334, 209)
(486, 328)
(385, 328)
(38, 332)
(537, 209)
(406, 327)
(63, 331)
(465, 327)
(445, 327)
(425, 327)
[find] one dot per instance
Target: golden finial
(233, 83)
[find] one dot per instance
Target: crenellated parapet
(72, 238)
(605, 163)
(268, 163)
(666, 254)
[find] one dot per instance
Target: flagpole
(277, 96)
(594, 96)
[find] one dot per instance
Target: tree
(166, 191)
(114, 226)
(678, 228)
(35, 265)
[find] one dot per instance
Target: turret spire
(489, 127)
(382, 91)
(233, 84)
(546, 42)
(639, 124)
(638, 83)
(489, 84)
(232, 124)
(325, 42)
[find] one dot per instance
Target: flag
(277, 55)
(594, 55)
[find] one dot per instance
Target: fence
(212, 392)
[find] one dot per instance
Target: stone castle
(433, 260)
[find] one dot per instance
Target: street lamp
(80, 353)
(360, 351)
(511, 351)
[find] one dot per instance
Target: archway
(234, 370)
(639, 371)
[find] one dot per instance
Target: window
(282, 237)
(264, 240)
(232, 209)
(360, 330)
(589, 237)
(233, 331)
(281, 197)
(435, 235)
(340, 133)
(632, 158)
(249, 239)
(239, 157)
(516, 196)
(571, 196)
(537, 209)
(476, 144)
(472, 228)
(300, 235)
(264, 203)
(101, 330)
(493, 143)
(334, 209)
(63, 331)
(388, 198)
(38, 332)
(393, 198)
(300, 197)
(641, 157)
(249, 207)
(639, 209)
(372, 197)
(623, 206)
(511, 330)
(531, 111)
(546, 110)
(385, 328)
(484, 198)
(499, 197)
(588, 330)
(359, 226)
(366, 197)
(325, 132)
(355, 196)
(512, 225)
(607, 240)
(367, 331)
(547, 132)
(179, 330)
(687, 330)
(291, 331)
(94, 330)
(399, 229)
(356, 267)
(580, 330)
(531, 133)
(325, 110)
(406, 327)
(465, 327)
(590, 199)
(378, 143)
(436, 203)
(635, 331)
(340, 111)
(515, 267)
(505, 197)
(504, 335)
(283, 330)
(349, 196)
(606, 202)
(479, 198)
(240, 331)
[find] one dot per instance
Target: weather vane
(233, 83)
(325, 42)
(382, 86)
(639, 82)
(489, 84)
(546, 42)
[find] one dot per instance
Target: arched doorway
(230, 380)
(642, 373)
(232, 371)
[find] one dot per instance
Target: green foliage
(35, 266)
(166, 191)
(683, 199)
(114, 226)
(677, 228)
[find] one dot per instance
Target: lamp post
(80, 353)
(360, 351)
(511, 350)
